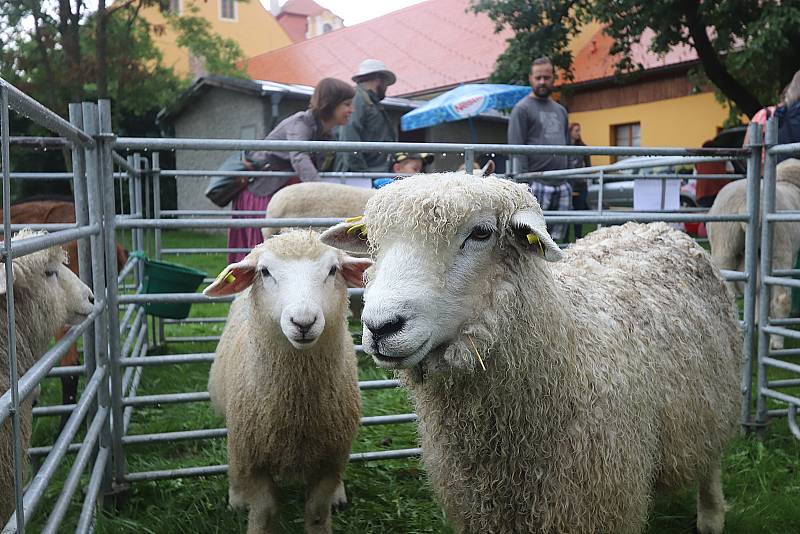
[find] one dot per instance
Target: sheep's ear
(488, 169)
(235, 278)
(530, 225)
(349, 236)
(353, 270)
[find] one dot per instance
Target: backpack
(788, 126)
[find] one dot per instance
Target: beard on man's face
(542, 91)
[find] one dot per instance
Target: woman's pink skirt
(247, 238)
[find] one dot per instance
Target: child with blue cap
(405, 163)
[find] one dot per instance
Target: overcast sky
(355, 11)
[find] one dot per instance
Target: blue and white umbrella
(463, 102)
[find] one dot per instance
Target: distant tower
(305, 19)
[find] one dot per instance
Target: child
(405, 163)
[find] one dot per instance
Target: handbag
(222, 190)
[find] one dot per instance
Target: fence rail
(118, 338)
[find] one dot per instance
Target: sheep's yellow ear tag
(533, 239)
(360, 228)
(225, 275)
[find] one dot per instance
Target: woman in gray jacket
(331, 105)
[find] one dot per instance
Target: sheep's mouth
(302, 342)
(404, 362)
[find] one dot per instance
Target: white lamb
(551, 397)
(727, 238)
(320, 199)
(47, 296)
(285, 376)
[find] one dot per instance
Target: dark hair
(579, 141)
(329, 93)
(544, 60)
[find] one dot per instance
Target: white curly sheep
(552, 397)
(727, 238)
(47, 296)
(285, 375)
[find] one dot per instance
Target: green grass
(761, 478)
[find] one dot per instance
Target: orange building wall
(254, 29)
(676, 122)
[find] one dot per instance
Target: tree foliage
(58, 52)
(747, 48)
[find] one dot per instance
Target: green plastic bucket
(163, 277)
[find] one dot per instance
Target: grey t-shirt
(537, 121)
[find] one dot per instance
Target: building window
(326, 28)
(175, 6)
(227, 9)
(625, 135)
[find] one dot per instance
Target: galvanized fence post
(765, 293)
(751, 267)
(16, 423)
(469, 159)
(112, 293)
(81, 192)
(155, 169)
(102, 473)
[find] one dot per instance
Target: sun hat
(369, 67)
(425, 157)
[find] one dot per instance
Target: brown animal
(51, 211)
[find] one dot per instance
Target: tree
(58, 52)
(746, 48)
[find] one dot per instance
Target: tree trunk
(51, 93)
(713, 67)
(68, 27)
(102, 50)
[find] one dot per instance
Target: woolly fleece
(607, 375)
(290, 414)
(727, 239)
(316, 199)
(37, 317)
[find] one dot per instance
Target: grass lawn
(761, 479)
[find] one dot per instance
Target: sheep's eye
(50, 273)
(265, 272)
(333, 271)
(481, 233)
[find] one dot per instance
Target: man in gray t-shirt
(538, 120)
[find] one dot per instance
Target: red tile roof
(430, 45)
(594, 60)
(306, 8)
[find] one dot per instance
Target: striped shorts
(554, 198)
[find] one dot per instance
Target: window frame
(615, 137)
(235, 10)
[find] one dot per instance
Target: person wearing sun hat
(369, 121)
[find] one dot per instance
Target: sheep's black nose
(91, 299)
(304, 325)
(386, 328)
